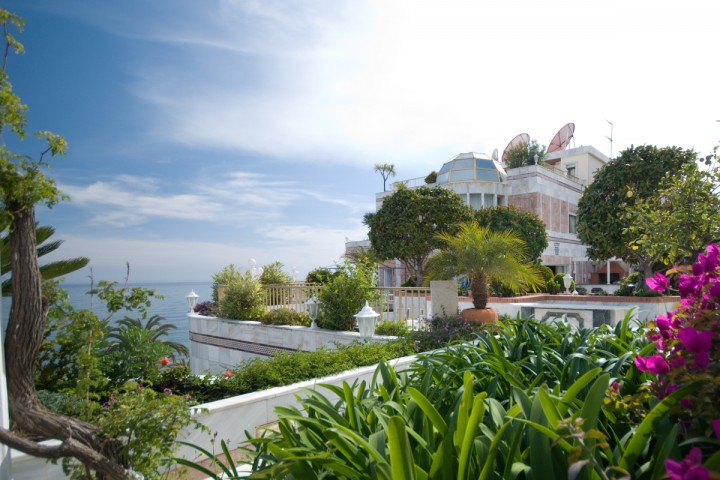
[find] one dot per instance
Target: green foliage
(526, 401)
(485, 256)
(392, 328)
(524, 155)
(285, 316)
(672, 227)
(406, 225)
(344, 295)
(48, 271)
(224, 277)
(146, 424)
(244, 297)
(320, 275)
(527, 225)
(273, 275)
(442, 330)
(281, 369)
(638, 170)
(627, 285)
(431, 178)
(386, 170)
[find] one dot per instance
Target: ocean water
(173, 307)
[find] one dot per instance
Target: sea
(172, 307)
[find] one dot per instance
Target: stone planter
(479, 315)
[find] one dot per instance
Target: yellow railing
(292, 296)
(398, 304)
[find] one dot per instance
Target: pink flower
(615, 387)
(165, 361)
(659, 283)
(695, 341)
(716, 427)
(690, 468)
(228, 374)
(654, 364)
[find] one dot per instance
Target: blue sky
(204, 133)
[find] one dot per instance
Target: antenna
(611, 136)
(521, 139)
(562, 138)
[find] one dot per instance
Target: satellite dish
(562, 138)
(495, 155)
(521, 139)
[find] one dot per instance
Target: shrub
(207, 309)
(244, 298)
(443, 330)
(344, 295)
(281, 369)
(224, 277)
(285, 316)
(389, 327)
(627, 285)
(320, 275)
(273, 275)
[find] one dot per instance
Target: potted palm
(485, 256)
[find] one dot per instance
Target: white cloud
(240, 197)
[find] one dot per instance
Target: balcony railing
(398, 304)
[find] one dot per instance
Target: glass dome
(471, 166)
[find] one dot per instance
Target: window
(571, 171)
(572, 224)
(476, 200)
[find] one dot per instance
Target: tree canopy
(524, 155)
(407, 224)
(386, 170)
(23, 185)
(672, 227)
(631, 177)
(485, 255)
(527, 225)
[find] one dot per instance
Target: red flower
(228, 374)
(165, 361)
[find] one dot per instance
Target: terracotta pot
(479, 315)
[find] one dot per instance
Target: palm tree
(386, 170)
(154, 327)
(485, 256)
(49, 270)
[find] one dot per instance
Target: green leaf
(401, 456)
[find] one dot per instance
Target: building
(551, 190)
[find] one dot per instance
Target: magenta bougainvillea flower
(690, 468)
(716, 427)
(660, 283)
(654, 364)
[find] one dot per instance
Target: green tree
(524, 155)
(527, 225)
(632, 176)
(48, 271)
(386, 170)
(273, 275)
(485, 256)
(672, 227)
(344, 295)
(320, 275)
(406, 225)
(23, 185)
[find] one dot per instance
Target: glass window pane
(442, 178)
(460, 164)
(459, 175)
(476, 200)
(445, 168)
(489, 200)
(488, 175)
(485, 164)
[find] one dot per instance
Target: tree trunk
(479, 289)
(22, 343)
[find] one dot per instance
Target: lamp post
(313, 308)
(567, 281)
(192, 299)
(366, 320)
